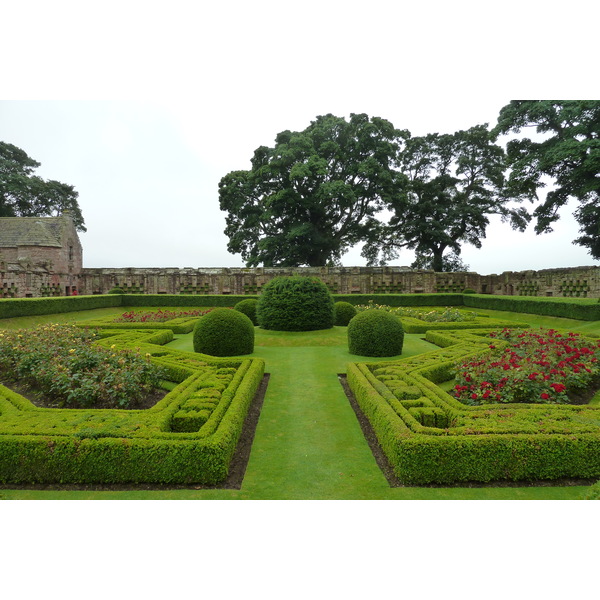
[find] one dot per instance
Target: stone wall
(33, 269)
(571, 282)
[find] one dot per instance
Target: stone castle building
(43, 257)
(39, 256)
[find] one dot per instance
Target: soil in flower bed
(237, 467)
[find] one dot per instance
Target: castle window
(70, 252)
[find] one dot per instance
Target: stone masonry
(572, 282)
(42, 256)
(39, 256)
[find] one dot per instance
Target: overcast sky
(143, 108)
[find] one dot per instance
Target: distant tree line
(318, 192)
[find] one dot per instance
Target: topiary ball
(224, 332)
(116, 290)
(248, 307)
(295, 304)
(343, 312)
(375, 333)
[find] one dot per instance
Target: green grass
(308, 443)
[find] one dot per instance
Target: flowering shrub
(62, 362)
(157, 316)
(541, 366)
(448, 315)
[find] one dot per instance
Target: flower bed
(189, 436)
(446, 315)
(157, 316)
(542, 366)
(429, 436)
(64, 365)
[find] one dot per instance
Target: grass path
(308, 442)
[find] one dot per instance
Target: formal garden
(298, 394)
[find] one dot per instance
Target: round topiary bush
(116, 290)
(224, 332)
(343, 312)
(375, 333)
(248, 307)
(469, 291)
(295, 304)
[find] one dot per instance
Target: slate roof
(30, 231)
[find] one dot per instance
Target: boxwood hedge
(429, 437)
(188, 437)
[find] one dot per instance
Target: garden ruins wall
(42, 256)
(567, 282)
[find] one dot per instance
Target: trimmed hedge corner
(190, 436)
(430, 437)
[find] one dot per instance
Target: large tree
(24, 194)
(314, 195)
(454, 183)
(567, 150)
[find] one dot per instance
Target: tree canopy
(315, 194)
(24, 194)
(568, 153)
(454, 182)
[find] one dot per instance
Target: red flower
(544, 396)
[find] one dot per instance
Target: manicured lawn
(308, 443)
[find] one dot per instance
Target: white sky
(144, 107)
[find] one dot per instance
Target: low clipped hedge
(375, 333)
(295, 304)
(430, 437)
(343, 312)
(174, 300)
(25, 307)
(167, 444)
(583, 309)
(224, 332)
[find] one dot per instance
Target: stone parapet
(566, 282)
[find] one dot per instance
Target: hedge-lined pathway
(308, 443)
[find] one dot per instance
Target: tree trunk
(437, 263)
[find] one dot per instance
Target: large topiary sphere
(343, 312)
(295, 304)
(248, 307)
(375, 333)
(224, 332)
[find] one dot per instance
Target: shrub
(248, 307)
(375, 333)
(295, 304)
(224, 332)
(469, 291)
(62, 362)
(343, 312)
(116, 290)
